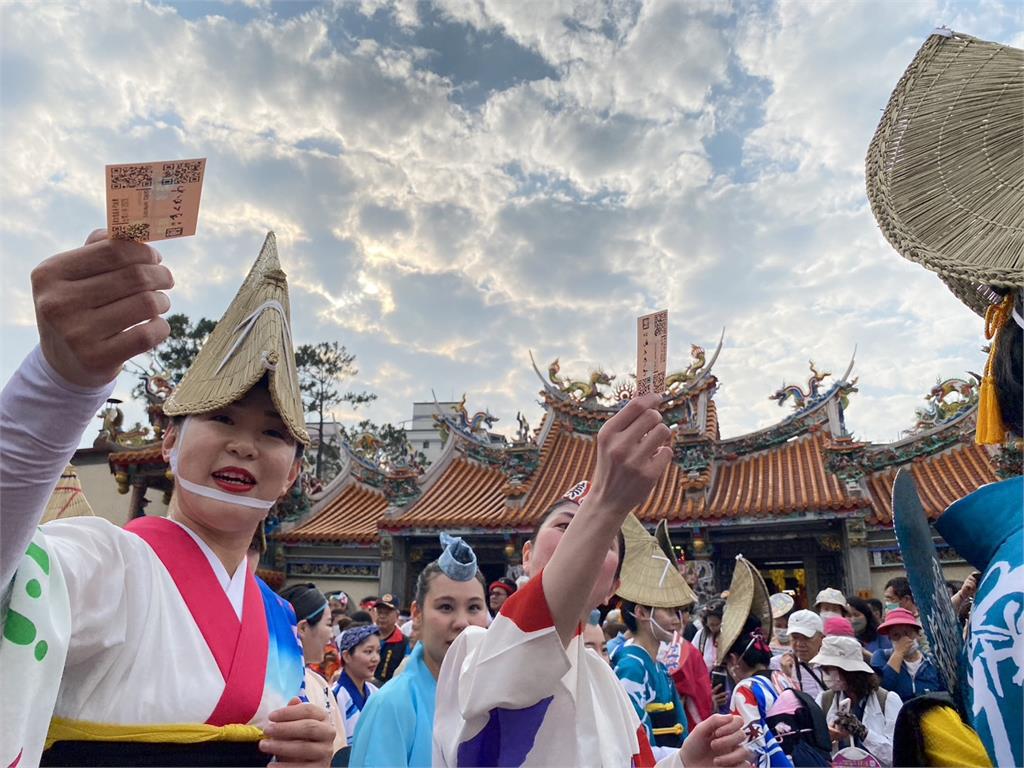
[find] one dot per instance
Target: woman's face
(448, 608)
(242, 449)
(537, 553)
(314, 637)
(361, 662)
(713, 624)
(834, 678)
(857, 619)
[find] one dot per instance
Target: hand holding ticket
(651, 352)
(154, 201)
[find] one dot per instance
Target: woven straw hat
(747, 595)
(67, 499)
(252, 340)
(945, 169)
(649, 574)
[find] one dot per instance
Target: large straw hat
(68, 498)
(748, 595)
(649, 575)
(252, 340)
(945, 170)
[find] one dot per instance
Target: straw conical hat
(945, 170)
(747, 595)
(649, 576)
(67, 499)
(251, 341)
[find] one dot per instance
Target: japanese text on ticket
(154, 201)
(651, 352)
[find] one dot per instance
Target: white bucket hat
(806, 623)
(833, 596)
(842, 652)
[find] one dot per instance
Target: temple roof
(941, 480)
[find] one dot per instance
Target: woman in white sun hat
(830, 602)
(859, 712)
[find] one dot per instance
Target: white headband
(210, 493)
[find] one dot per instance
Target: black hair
(876, 605)
(308, 601)
(747, 647)
(427, 576)
(870, 631)
(1008, 371)
(361, 617)
(900, 586)
(562, 502)
(860, 684)
(628, 609)
(714, 608)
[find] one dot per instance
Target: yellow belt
(656, 707)
(62, 729)
(675, 730)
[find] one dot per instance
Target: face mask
(782, 635)
(825, 615)
(891, 607)
(859, 625)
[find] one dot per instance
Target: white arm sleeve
(42, 418)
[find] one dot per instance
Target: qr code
(659, 323)
(131, 231)
(131, 177)
(173, 232)
(188, 172)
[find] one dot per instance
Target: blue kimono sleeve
(633, 678)
(385, 731)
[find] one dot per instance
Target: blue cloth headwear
(458, 561)
(353, 636)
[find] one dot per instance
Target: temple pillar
(856, 559)
(137, 502)
(394, 565)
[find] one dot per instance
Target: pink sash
(239, 648)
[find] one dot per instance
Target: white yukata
(97, 633)
(511, 694)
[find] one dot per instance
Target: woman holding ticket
(88, 599)
(525, 691)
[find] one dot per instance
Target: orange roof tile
(787, 478)
(351, 516)
(468, 494)
(567, 458)
(148, 455)
(941, 479)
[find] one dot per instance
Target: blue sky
(454, 183)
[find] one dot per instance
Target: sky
(455, 183)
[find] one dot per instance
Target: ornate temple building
(802, 498)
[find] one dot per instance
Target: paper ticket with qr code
(154, 201)
(651, 352)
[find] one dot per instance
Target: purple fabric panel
(507, 738)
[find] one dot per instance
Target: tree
(322, 367)
(393, 443)
(177, 352)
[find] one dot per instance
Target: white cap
(806, 623)
(833, 596)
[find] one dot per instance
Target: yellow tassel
(991, 429)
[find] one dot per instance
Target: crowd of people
(600, 654)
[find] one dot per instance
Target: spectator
(360, 618)
(858, 711)
(594, 639)
(806, 631)
(904, 669)
(360, 650)
(877, 609)
(500, 591)
(393, 645)
(898, 595)
(865, 625)
(781, 604)
(830, 602)
(706, 639)
(839, 626)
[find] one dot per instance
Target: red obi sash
(238, 647)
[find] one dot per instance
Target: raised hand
(98, 306)
(300, 735)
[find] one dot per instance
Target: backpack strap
(827, 699)
(881, 694)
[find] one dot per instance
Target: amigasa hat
(252, 340)
(748, 595)
(68, 498)
(945, 169)
(649, 575)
